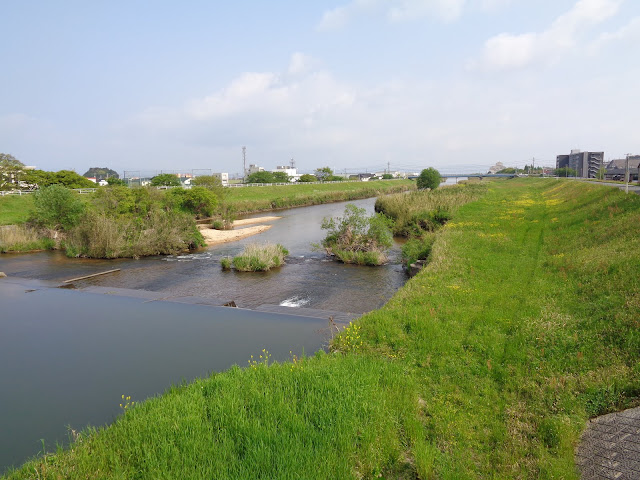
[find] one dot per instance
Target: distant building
(586, 164)
(253, 169)
(496, 168)
(616, 169)
(224, 178)
(562, 161)
(291, 172)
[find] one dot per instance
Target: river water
(67, 355)
(309, 279)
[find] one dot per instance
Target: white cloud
(395, 11)
(629, 33)
(508, 51)
(446, 10)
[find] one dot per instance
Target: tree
(323, 173)
(57, 207)
(260, 177)
(307, 178)
(280, 177)
(10, 171)
(429, 178)
(212, 183)
(116, 182)
(197, 201)
(601, 173)
(565, 172)
(165, 180)
(387, 176)
(65, 178)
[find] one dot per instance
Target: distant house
(365, 177)
(616, 169)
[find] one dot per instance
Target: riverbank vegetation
(259, 199)
(118, 221)
(487, 364)
(418, 215)
(257, 258)
(356, 238)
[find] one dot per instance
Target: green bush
(429, 178)
(57, 207)
(353, 235)
(198, 201)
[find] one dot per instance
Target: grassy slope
(484, 365)
(251, 199)
(15, 209)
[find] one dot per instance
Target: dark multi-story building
(562, 161)
(586, 164)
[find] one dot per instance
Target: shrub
(417, 248)
(307, 178)
(57, 207)
(257, 258)
(198, 201)
(355, 238)
(429, 178)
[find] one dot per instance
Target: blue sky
(356, 85)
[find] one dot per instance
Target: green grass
(15, 209)
(254, 199)
(485, 365)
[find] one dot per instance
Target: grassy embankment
(256, 199)
(485, 365)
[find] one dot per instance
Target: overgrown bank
(133, 222)
(258, 199)
(485, 365)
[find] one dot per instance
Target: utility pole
(244, 162)
(627, 174)
(388, 167)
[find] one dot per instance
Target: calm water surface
(66, 356)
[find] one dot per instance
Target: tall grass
(257, 258)
(24, 238)
(487, 364)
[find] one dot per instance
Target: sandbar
(215, 237)
(248, 221)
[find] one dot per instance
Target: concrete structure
(224, 178)
(586, 164)
(253, 169)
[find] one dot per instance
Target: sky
(356, 85)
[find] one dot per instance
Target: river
(67, 355)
